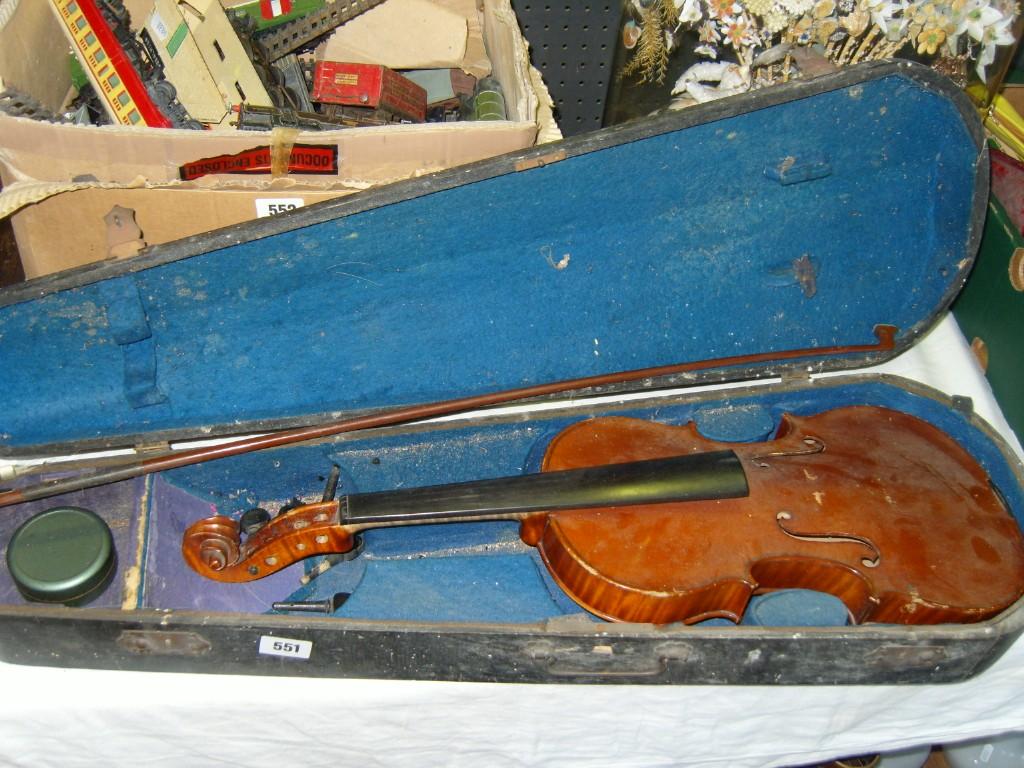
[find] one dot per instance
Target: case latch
(163, 642)
(606, 660)
(894, 656)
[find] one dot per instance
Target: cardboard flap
(799, 217)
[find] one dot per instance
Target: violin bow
(886, 335)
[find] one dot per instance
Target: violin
(645, 522)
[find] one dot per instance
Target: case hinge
(162, 446)
(528, 163)
(796, 376)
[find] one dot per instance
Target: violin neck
(691, 477)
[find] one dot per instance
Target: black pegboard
(573, 45)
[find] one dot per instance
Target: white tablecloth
(66, 717)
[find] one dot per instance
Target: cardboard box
(161, 214)
(43, 161)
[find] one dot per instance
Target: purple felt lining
(172, 584)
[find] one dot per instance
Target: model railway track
(255, 118)
(17, 104)
(293, 35)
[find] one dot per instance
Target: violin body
(891, 516)
(879, 508)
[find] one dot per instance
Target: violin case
(800, 217)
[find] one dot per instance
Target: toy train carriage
(125, 78)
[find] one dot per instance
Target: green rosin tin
(63, 555)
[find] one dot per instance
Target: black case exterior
(560, 649)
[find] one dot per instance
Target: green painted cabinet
(990, 311)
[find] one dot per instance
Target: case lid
(799, 217)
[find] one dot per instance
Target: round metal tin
(63, 555)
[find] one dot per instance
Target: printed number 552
(273, 208)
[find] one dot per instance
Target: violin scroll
(214, 548)
(212, 544)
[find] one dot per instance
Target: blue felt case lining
(803, 224)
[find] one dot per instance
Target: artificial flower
(708, 32)
(824, 30)
(720, 9)
(801, 31)
(630, 34)
(997, 34)
(857, 22)
(797, 7)
(847, 30)
(978, 17)
(883, 12)
(929, 40)
(739, 32)
(760, 7)
(775, 21)
(689, 11)
(823, 9)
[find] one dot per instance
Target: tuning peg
(253, 519)
(332, 483)
(330, 605)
